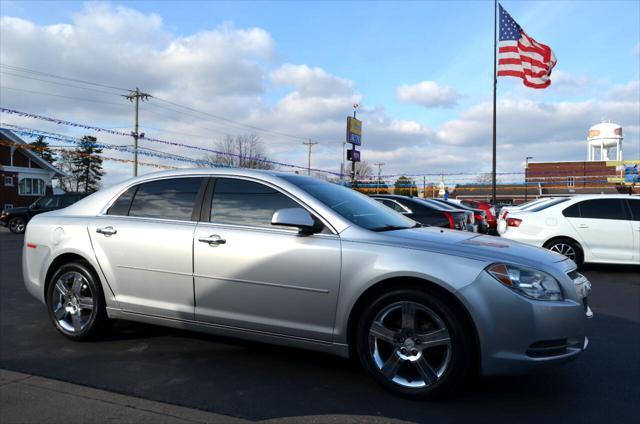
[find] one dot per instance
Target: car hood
(17, 211)
(466, 244)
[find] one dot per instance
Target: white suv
(585, 228)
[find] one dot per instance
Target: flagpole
(495, 83)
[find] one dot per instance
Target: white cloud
(428, 94)
(311, 82)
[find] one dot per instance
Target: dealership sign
(353, 155)
(354, 131)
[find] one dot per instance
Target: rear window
(603, 209)
(548, 204)
(173, 198)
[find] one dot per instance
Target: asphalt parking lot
(257, 382)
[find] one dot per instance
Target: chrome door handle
(107, 231)
(213, 239)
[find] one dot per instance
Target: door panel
(251, 274)
(267, 280)
(148, 264)
(604, 227)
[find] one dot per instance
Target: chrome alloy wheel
(73, 302)
(410, 344)
(17, 225)
(564, 249)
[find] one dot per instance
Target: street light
(526, 183)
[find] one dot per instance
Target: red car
(490, 210)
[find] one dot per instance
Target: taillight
(505, 215)
(449, 216)
(513, 222)
(479, 217)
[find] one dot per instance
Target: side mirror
(296, 217)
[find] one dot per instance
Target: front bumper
(517, 334)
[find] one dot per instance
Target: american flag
(521, 56)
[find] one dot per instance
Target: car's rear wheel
(414, 343)
(17, 225)
(75, 302)
(568, 248)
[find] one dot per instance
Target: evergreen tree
(406, 187)
(41, 148)
(87, 166)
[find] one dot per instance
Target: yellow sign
(354, 126)
(623, 162)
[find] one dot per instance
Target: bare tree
(486, 178)
(69, 182)
(363, 171)
(241, 151)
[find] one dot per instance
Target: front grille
(574, 274)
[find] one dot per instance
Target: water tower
(604, 140)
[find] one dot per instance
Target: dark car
(16, 218)
(480, 215)
(423, 212)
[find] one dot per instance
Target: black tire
(559, 245)
(441, 376)
(17, 225)
(92, 321)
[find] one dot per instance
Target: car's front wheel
(17, 225)
(414, 343)
(75, 301)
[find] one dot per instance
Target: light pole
(526, 170)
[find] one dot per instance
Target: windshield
(44, 202)
(532, 203)
(548, 204)
(356, 207)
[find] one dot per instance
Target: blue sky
(379, 46)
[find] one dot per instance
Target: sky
(420, 71)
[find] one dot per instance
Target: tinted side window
(122, 205)
(603, 209)
(634, 204)
(393, 205)
(242, 202)
(572, 211)
(68, 200)
(172, 198)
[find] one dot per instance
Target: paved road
(255, 381)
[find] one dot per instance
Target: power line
(36, 72)
(59, 83)
(4, 87)
(210, 115)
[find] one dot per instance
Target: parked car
(301, 262)
(489, 209)
(480, 215)
(523, 206)
(16, 218)
(425, 213)
(584, 228)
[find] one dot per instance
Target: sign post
(354, 136)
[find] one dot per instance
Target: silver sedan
(292, 260)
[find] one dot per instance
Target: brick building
(24, 176)
(551, 179)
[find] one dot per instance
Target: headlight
(527, 282)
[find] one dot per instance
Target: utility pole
(309, 145)
(135, 96)
(379, 165)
